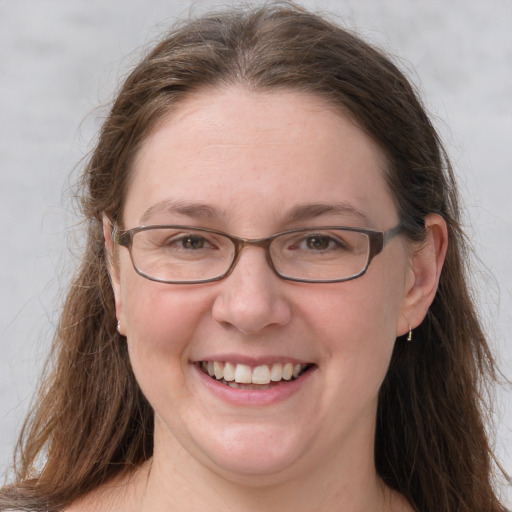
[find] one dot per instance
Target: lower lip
(254, 397)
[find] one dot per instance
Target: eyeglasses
(189, 255)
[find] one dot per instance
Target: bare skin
(133, 494)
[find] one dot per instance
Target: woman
(272, 310)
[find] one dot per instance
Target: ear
(427, 261)
(113, 271)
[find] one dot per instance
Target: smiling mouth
(242, 376)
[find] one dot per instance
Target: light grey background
(60, 60)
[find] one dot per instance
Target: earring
(409, 336)
(118, 327)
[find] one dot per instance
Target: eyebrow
(190, 209)
(310, 211)
(296, 214)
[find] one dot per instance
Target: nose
(250, 299)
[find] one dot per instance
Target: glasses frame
(377, 240)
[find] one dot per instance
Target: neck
(174, 478)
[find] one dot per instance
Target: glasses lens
(180, 255)
(321, 255)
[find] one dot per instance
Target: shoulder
(100, 500)
(91, 502)
(118, 495)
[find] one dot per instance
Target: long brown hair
(91, 422)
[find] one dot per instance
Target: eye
(172, 240)
(320, 242)
(192, 242)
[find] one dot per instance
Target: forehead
(248, 153)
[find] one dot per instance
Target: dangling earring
(409, 336)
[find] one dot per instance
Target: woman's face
(253, 164)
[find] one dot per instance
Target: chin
(254, 455)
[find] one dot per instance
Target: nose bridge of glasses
(242, 243)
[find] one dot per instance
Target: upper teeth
(245, 374)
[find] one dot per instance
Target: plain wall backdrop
(61, 60)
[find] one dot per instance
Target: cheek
(161, 323)
(355, 315)
(356, 324)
